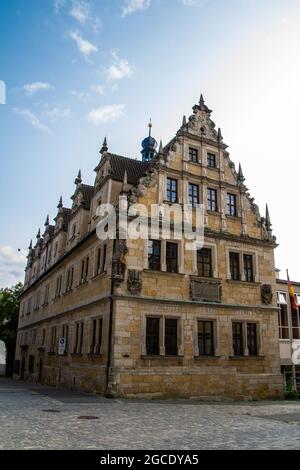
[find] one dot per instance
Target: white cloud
(135, 5)
(97, 24)
(119, 69)
(105, 114)
(98, 89)
(190, 3)
(9, 255)
(32, 88)
(85, 47)
(58, 5)
(56, 113)
(80, 94)
(80, 11)
(12, 264)
(32, 118)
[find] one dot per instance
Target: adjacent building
(148, 317)
(289, 333)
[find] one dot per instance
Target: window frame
(211, 157)
(192, 188)
(212, 204)
(231, 205)
(154, 265)
(193, 155)
(171, 193)
(232, 268)
(172, 261)
(212, 352)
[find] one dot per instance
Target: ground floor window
(206, 338)
(31, 364)
(96, 336)
(169, 338)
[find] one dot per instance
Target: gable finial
(38, 235)
(201, 101)
(268, 220)
(30, 245)
(161, 148)
(184, 121)
(60, 204)
(78, 180)
(241, 177)
(47, 221)
(125, 178)
(104, 146)
(220, 137)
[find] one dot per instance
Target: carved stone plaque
(205, 290)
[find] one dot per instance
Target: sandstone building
(148, 317)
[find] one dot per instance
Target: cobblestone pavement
(35, 417)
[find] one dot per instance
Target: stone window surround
(203, 150)
(37, 300)
(76, 344)
(162, 318)
(101, 248)
(216, 333)
(241, 253)
(244, 322)
(84, 278)
(97, 318)
(58, 285)
(163, 263)
(69, 285)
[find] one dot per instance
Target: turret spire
(161, 148)
(104, 146)
(30, 245)
(47, 221)
(201, 101)
(150, 127)
(149, 146)
(38, 235)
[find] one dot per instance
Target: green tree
(9, 314)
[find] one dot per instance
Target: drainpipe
(108, 391)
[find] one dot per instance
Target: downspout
(108, 391)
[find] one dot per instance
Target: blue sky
(76, 71)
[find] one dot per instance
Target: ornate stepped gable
(139, 175)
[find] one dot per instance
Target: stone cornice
(193, 302)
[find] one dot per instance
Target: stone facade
(136, 328)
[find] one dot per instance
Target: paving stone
(133, 424)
